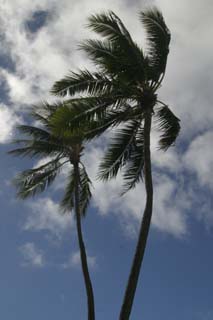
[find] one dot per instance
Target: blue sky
(40, 271)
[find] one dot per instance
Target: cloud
(45, 215)
(75, 261)
(52, 51)
(8, 121)
(33, 257)
(199, 158)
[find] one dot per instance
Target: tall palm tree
(123, 93)
(38, 141)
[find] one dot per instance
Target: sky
(40, 268)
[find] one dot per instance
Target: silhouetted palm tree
(123, 91)
(38, 141)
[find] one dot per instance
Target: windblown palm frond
(98, 114)
(38, 140)
(34, 132)
(43, 111)
(33, 148)
(133, 172)
(85, 193)
(112, 118)
(81, 82)
(70, 117)
(104, 54)
(158, 36)
(114, 62)
(169, 124)
(118, 151)
(112, 28)
(33, 181)
(68, 202)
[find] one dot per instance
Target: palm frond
(81, 82)
(113, 61)
(108, 25)
(68, 202)
(158, 36)
(33, 181)
(133, 171)
(103, 53)
(84, 192)
(80, 115)
(35, 132)
(111, 27)
(111, 118)
(41, 112)
(36, 148)
(118, 151)
(169, 124)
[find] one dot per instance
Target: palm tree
(39, 142)
(122, 93)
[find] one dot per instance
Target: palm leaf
(81, 82)
(158, 36)
(68, 201)
(84, 192)
(113, 61)
(118, 151)
(111, 118)
(36, 148)
(33, 181)
(169, 124)
(111, 27)
(81, 115)
(43, 111)
(134, 169)
(35, 132)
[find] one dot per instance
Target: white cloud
(46, 215)
(52, 51)
(32, 255)
(8, 120)
(199, 158)
(75, 261)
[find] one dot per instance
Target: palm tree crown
(122, 93)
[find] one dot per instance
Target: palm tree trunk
(145, 225)
(84, 264)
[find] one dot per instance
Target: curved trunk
(145, 225)
(84, 264)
